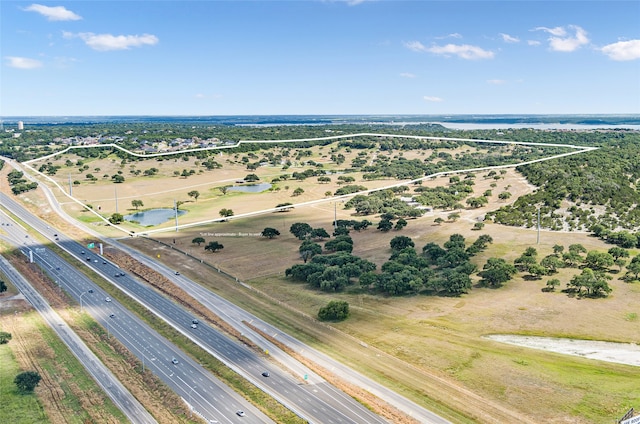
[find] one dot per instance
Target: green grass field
(16, 407)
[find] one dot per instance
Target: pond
(153, 216)
(251, 188)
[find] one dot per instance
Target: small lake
(251, 188)
(153, 216)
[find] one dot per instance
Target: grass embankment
(66, 393)
(16, 407)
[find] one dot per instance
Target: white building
(20, 125)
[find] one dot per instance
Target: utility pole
(175, 209)
(538, 241)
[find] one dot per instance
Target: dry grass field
(431, 349)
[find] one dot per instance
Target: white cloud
(508, 38)
(416, 46)
(562, 41)
(452, 35)
(533, 43)
(496, 81)
(57, 13)
(432, 99)
(464, 51)
(23, 62)
(557, 31)
(106, 42)
(623, 50)
(407, 75)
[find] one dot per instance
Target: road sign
(91, 245)
(634, 420)
(629, 414)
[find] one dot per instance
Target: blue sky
(319, 57)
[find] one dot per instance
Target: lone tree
(385, 225)
(224, 212)
(301, 230)
(3, 287)
(137, 204)
(213, 246)
(401, 242)
(284, 207)
(336, 310)
(496, 272)
(116, 218)
(27, 381)
(118, 179)
(4, 337)
(453, 216)
(270, 233)
(194, 193)
(400, 224)
(198, 240)
(551, 285)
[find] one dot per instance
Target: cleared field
(430, 349)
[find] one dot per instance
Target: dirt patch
(621, 353)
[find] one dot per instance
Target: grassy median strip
(266, 403)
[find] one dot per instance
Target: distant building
(20, 125)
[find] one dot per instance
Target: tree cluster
(19, 184)
(600, 186)
(439, 269)
(335, 310)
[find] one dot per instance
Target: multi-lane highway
(208, 397)
(123, 399)
(238, 317)
(318, 403)
(313, 399)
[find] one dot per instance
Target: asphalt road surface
(207, 396)
(312, 398)
(122, 398)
